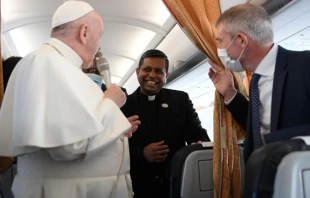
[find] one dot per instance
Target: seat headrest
(261, 168)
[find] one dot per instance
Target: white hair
(249, 19)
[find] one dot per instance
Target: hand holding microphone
(103, 68)
(116, 94)
(113, 91)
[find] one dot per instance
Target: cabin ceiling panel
(131, 27)
(226, 4)
(152, 11)
(118, 65)
(132, 83)
(115, 79)
(126, 40)
(19, 9)
(298, 42)
(29, 38)
(177, 46)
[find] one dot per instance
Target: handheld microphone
(103, 68)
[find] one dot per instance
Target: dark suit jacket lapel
(278, 83)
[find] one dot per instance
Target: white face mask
(233, 65)
(96, 78)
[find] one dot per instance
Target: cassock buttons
(164, 105)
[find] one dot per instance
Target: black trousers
(150, 187)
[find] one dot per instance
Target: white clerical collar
(66, 51)
(151, 98)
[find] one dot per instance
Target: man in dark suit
(168, 120)
(278, 107)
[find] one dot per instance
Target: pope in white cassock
(68, 136)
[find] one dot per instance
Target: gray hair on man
(62, 30)
(250, 19)
(68, 28)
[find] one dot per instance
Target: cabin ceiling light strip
(140, 42)
(299, 43)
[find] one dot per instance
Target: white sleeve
(67, 108)
(115, 126)
(69, 152)
(228, 102)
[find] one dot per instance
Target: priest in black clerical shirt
(168, 120)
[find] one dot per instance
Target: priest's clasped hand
(156, 152)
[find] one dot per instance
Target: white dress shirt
(266, 69)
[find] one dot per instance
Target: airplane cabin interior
(133, 26)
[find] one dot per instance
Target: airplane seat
(187, 157)
(293, 176)
(261, 168)
(192, 172)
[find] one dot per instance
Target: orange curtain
(197, 19)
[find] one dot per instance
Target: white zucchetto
(70, 11)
